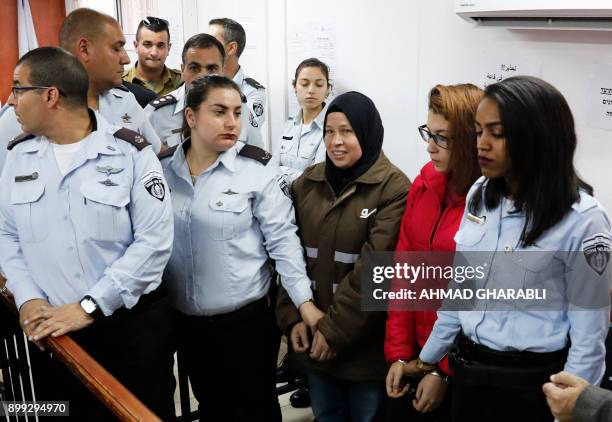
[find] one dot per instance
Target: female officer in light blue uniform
(531, 209)
(232, 217)
(302, 142)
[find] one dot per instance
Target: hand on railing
(43, 320)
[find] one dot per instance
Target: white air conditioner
(538, 14)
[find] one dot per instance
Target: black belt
(246, 312)
(472, 351)
(475, 364)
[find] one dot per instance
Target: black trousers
(231, 363)
(496, 386)
(136, 346)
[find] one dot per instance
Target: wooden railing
(13, 364)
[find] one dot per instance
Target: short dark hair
(153, 24)
(198, 93)
(54, 66)
(232, 31)
(312, 62)
(541, 140)
(203, 41)
(83, 22)
(458, 104)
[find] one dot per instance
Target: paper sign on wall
(305, 40)
(499, 69)
(599, 97)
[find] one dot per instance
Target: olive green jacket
(335, 232)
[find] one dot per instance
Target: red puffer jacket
(426, 226)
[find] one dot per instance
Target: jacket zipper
(435, 227)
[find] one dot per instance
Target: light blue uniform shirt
(167, 120)
(299, 149)
(227, 228)
(62, 238)
(537, 330)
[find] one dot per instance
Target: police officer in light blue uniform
(531, 223)
(85, 233)
(302, 143)
(97, 41)
(202, 55)
(232, 217)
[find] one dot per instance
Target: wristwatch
(424, 366)
(90, 307)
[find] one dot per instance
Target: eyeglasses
(17, 89)
(439, 140)
(151, 21)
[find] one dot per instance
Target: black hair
(232, 31)
(540, 141)
(203, 41)
(83, 22)
(312, 62)
(54, 66)
(153, 24)
(198, 92)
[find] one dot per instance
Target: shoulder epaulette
(19, 139)
(132, 137)
(168, 152)
(254, 83)
(123, 88)
(255, 153)
(165, 100)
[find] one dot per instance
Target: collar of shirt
(318, 121)
(178, 161)
(132, 75)
(239, 77)
(98, 143)
(179, 94)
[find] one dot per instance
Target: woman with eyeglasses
(433, 211)
(346, 207)
(302, 141)
(541, 303)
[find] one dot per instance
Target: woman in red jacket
(433, 213)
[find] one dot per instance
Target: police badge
(284, 185)
(154, 184)
(596, 250)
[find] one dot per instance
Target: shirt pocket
(30, 216)
(469, 236)
(106, 212)
(536, 266)
(286, 144)
(308, 148)
(228, 216)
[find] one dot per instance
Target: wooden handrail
(98, 380)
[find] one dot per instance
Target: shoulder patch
(19, 139)
(168, 152)
(122, 88)
(254, 83)
(164, 100)
(596, 250)
(132, 137)
(255, 153)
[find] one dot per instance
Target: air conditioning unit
(538, 14)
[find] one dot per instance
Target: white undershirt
(64, 155)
